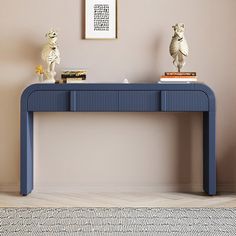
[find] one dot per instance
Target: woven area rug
(117, 221)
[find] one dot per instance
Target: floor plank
(117, 200)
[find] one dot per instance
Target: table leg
(26, 159)
(209, 153)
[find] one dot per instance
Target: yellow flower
(39, 69)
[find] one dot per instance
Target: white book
(75, 81)
(178, 79)
(176, 82)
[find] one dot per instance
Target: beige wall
(118, 152)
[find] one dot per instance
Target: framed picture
(100, 19)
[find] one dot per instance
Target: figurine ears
(51, 32)
(178, 25)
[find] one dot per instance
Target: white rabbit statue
(51, 55)
(179, 47)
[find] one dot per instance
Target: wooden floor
(117, 200)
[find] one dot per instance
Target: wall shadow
(184, 150)
(82, 13)
(226, 173)
(188, 153)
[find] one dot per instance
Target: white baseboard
(113, 189)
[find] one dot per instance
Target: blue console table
(192, 97)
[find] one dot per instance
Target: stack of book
(73, 76)
(179, 77)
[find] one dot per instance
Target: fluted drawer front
(184, 101)
(97, 101)
(139, 101)
(45, 101)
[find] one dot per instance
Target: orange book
(178, 77)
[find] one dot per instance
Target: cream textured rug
(117, 221)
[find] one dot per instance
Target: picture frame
(101, 19)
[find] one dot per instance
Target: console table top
(120, 86)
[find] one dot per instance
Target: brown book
(180, 74)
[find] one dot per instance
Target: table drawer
(45, 101)
(95, 101)
(139, 101)
(184, 101)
